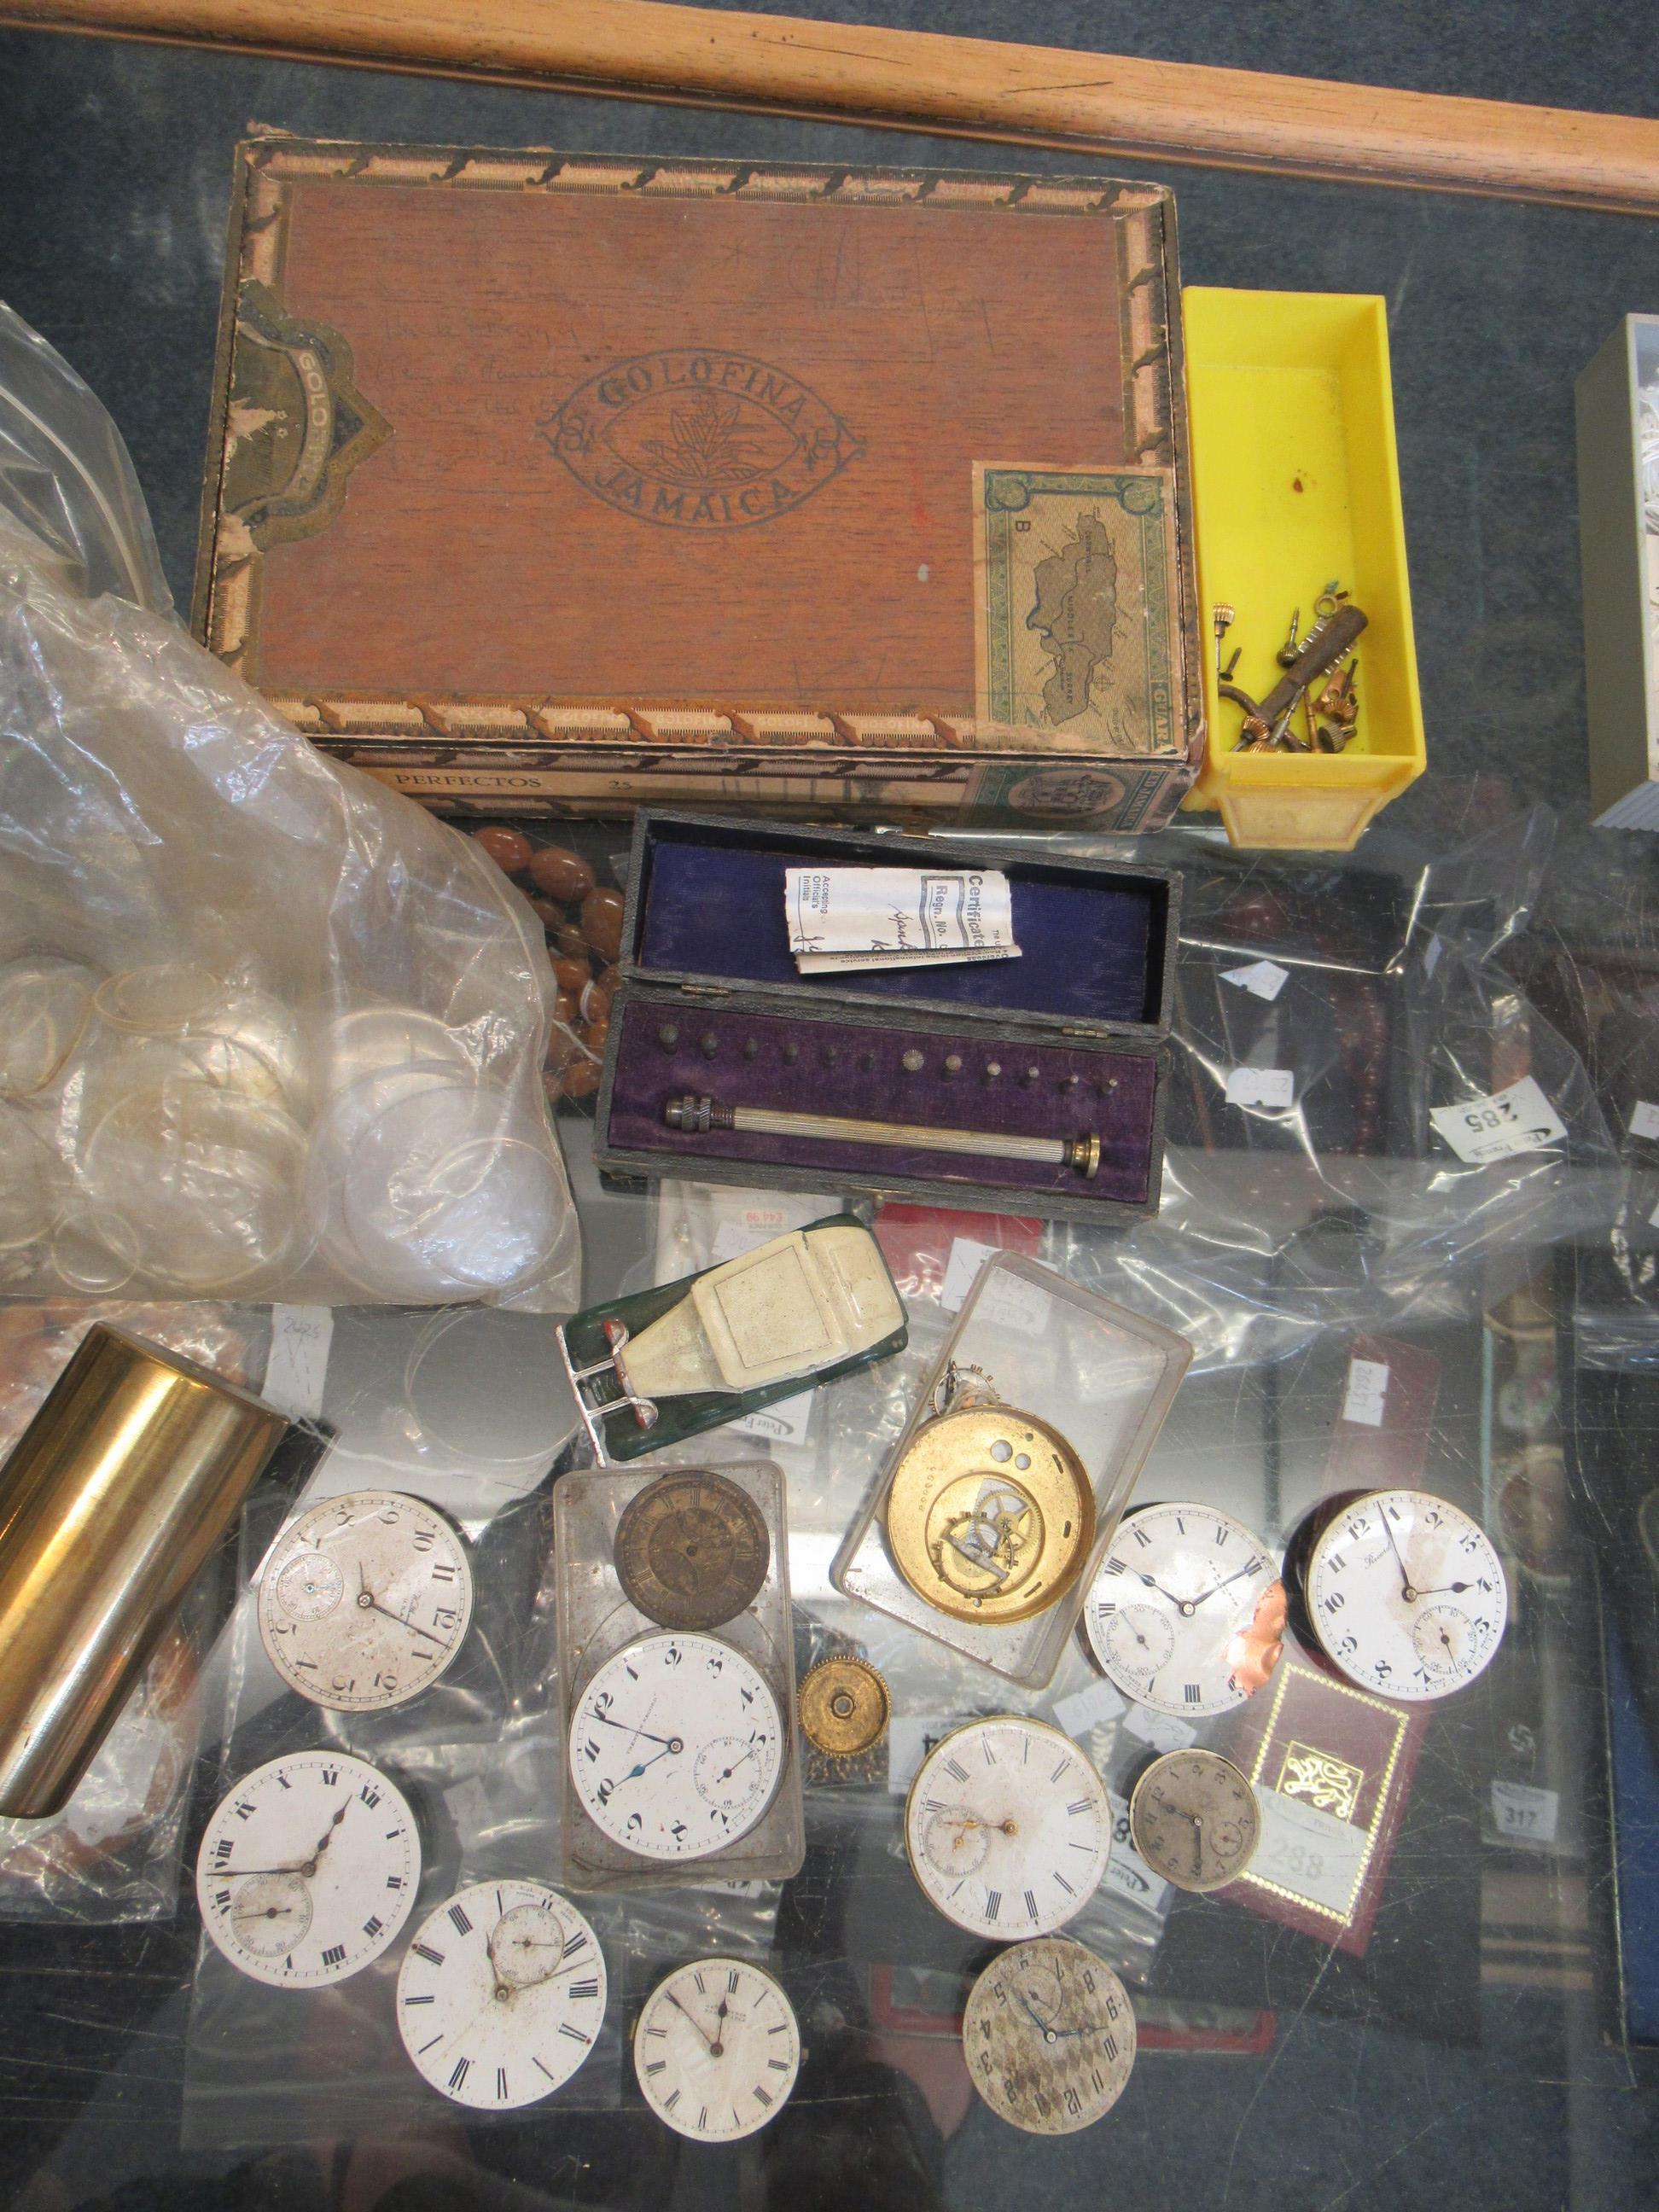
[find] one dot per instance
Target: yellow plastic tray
(1296, 480)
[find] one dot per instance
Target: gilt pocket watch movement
(1048, 2033)
(1007, 1827)
(990, 1515)
(308, 1869)
(501, 1994)
(1193, 1819)
(716, 2049)
(365, 1600)
(1401, 1591)
(1187, 1615)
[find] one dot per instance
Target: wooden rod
(1099, 105)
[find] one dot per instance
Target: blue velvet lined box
(1067, 1041)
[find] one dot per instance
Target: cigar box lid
(1097, 937)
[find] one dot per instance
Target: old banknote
(1077, 617)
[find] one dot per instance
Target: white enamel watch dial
(365, 1600)
(1172, 1616)
(676, 1747)
(1405, 1595)
(1008, 1827)
(1049, 2036)
(501, 1994)
(308, 1869)
(716, 2049)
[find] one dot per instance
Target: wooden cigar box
(565, 484)
(1066, 1043)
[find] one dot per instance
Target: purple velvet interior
(1112, 1096)
(1092, 947)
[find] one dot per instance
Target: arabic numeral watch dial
(1187, 1615)
(308, 1869)
(716, 2049)
(1405, 1593)
(676, 1747)
(1008, 1827)
(1048, 2033)
(365, 1600)
(1193, 1819)
(501, 1994)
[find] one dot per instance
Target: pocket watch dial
(1407, 1595)
(1008, 1827)
(502, 1993)
(365, 1600)
(1193, 1819)
(716, 2049)
(1187, 1614)
(1049, 2036)
(308, 1869)
(676, 1747)
(692, 1550)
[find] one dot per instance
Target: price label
(910, 1737)
(1019, 1306)
(298, 1366)
(1644, 1119)
(1162, 1730)
(962, 1270)
(1518, 1119)
(1087, 1709)
(1368, 1384)
(1127, 1872)
(1262, 979)
(1274, 1087)
(786, 1423)
(1522, 1815)
(1313, 1855)
(755, 1226)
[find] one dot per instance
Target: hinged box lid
(1098, 937)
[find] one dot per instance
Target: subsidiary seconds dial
(1008, 1827)
(365, 1600)
(308, 1869)
(1185, 1615)
(501, 1994)
(1405, 1595)
(676, 1747)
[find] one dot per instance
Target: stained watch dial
(716, 2049)
(1195, 1820)
(502, 1993)
(1049, 2036)
(1187, 1614)
(1008, 1827)
(1405, 1595)
(365, 1600)
(308, 1869)
(676, 1746)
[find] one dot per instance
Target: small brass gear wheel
(844, 1706)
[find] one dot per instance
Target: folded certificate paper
(843, 918)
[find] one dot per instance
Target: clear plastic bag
(266, 1029)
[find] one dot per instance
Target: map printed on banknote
(1077, 612)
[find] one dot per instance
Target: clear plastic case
(596, 1622)
(1082, 1386)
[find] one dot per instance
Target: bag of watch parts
(266, 1029)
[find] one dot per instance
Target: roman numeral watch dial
(676, 1747)
(365, 1600)
(501, 1994)
(308, 1869)
(1049, 2036)
(716, 2049)
(1187, 1615)
(1008, 1827)
(1405, 1595)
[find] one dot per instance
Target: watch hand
(1198, 1844)
(1216, 1586)
(249, 1874)
(713, 2051)
(635, 1773)
(1440, 1590)
(1406, 1589)
(1036, 2019)
(729, 1771)
(1152, 1584)
(624, 1725)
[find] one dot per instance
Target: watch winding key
(692, 1550)
(1193, 1819)
(990, 1515)
(365, 1600)
(1049, 2036)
